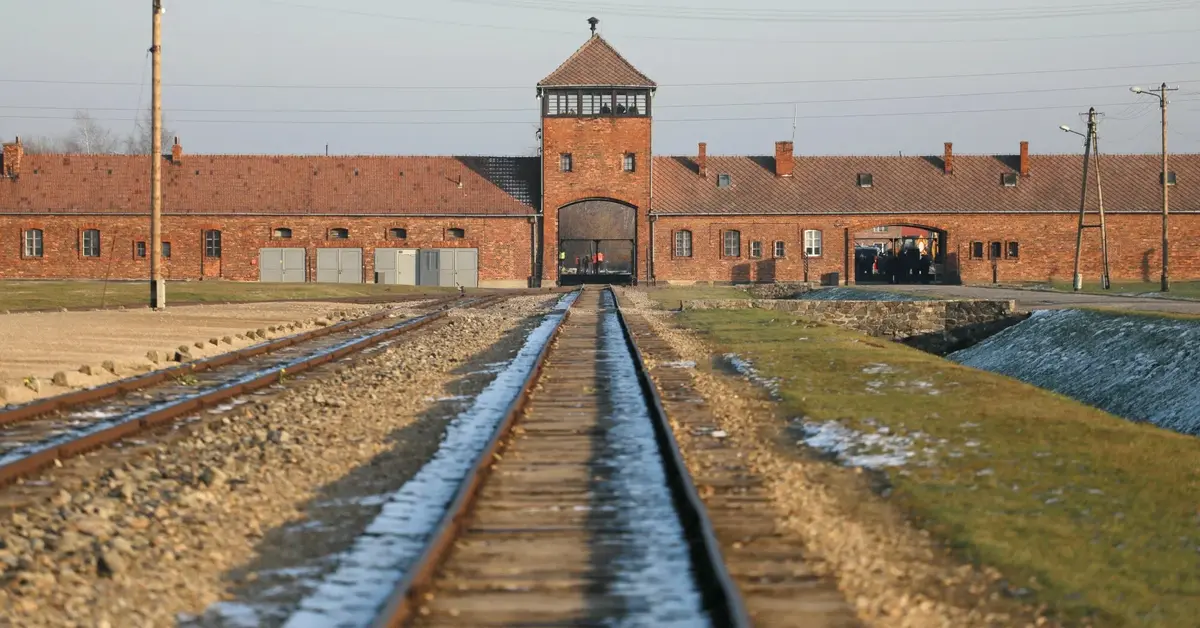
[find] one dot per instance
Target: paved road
(1046, 300)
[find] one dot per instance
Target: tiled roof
(917, 184)
(596, 64)
(277, 185)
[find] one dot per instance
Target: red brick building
(597, 188)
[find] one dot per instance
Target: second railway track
(36, 435)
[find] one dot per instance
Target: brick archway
(900, 251)
(592, 227)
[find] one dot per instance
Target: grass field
(1095, 516)
(669, 297)
(31, 295)
(1182, 289)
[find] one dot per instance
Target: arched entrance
(901, 253)
(594, 230)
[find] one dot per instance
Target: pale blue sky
(507, 46)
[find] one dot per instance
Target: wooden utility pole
(1091, 144)
(158, 289)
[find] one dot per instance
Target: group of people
(584, 264)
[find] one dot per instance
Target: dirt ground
(39, 345)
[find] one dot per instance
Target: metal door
(428, 272)
(281, 265)
(466, 267)
(339, 266)
(396, 266)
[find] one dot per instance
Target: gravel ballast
(246, 507)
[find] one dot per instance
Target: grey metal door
(282, 265)
(466, 267)
(396, 266)
(339, 266)
(446, 268)
(427, 274)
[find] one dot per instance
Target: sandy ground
(1046, 300)
(42, 344)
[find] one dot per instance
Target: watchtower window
(596, 102)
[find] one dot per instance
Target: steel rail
(404, 602)
(720, 593)
(721, 597)
(159, 414)
(56, 403)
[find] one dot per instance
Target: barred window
(34, 243)
(212, 243)
(812, 243)
(683, 243)
(91, 243)
(733, 244)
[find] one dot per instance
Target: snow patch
(872, 450)
(368, 573)
(746, 369)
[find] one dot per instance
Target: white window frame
(85, 248)
(566, 163)
(779, 249)
(756, 249)
(683, 243)
(33, 243)
(813, 243)
(630, 162)
(736, 243)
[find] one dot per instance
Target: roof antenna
(593, 22)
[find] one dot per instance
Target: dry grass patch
(34, 295)
(1091, 514)
(1183, 289)
(670, 297)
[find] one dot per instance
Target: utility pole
(1090, 143)
(158, 289)
(1166, 196)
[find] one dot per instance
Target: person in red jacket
(600, 262)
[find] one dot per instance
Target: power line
(657, 121)
(775, 16)
(1135, 104)
(666, 85)
(755, 41)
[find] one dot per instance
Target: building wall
(597, 147)
(503, 242)
(1046, 246)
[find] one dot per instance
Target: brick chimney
(784, 162)
(1024, 159)
(948, 159)
(10, 159)
(176, 152)
(702, 160)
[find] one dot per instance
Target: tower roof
(596, 64)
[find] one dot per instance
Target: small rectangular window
(33, 243)
(865, 179)
(339, 233)
(976, 250)
(779, 248)
(724, 180)
(813, 245)
(564, 162)
(91, 243)
(140, 249)
(1171, 179)
(756, 249)
(880, 229)
(1014, 250)
(630, 162)
(995, 250)
(683, 243)
(282, 233)
(733, 244)
(456, 234)
(166, 250)
(212, 243)
(398, 233)
(1009, 179)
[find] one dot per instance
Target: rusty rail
(160, 414)
(720, 595)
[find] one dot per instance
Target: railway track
(38, 434)
(575, 508)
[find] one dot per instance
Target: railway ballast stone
(183, 531)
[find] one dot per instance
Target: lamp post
(1162, 103)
